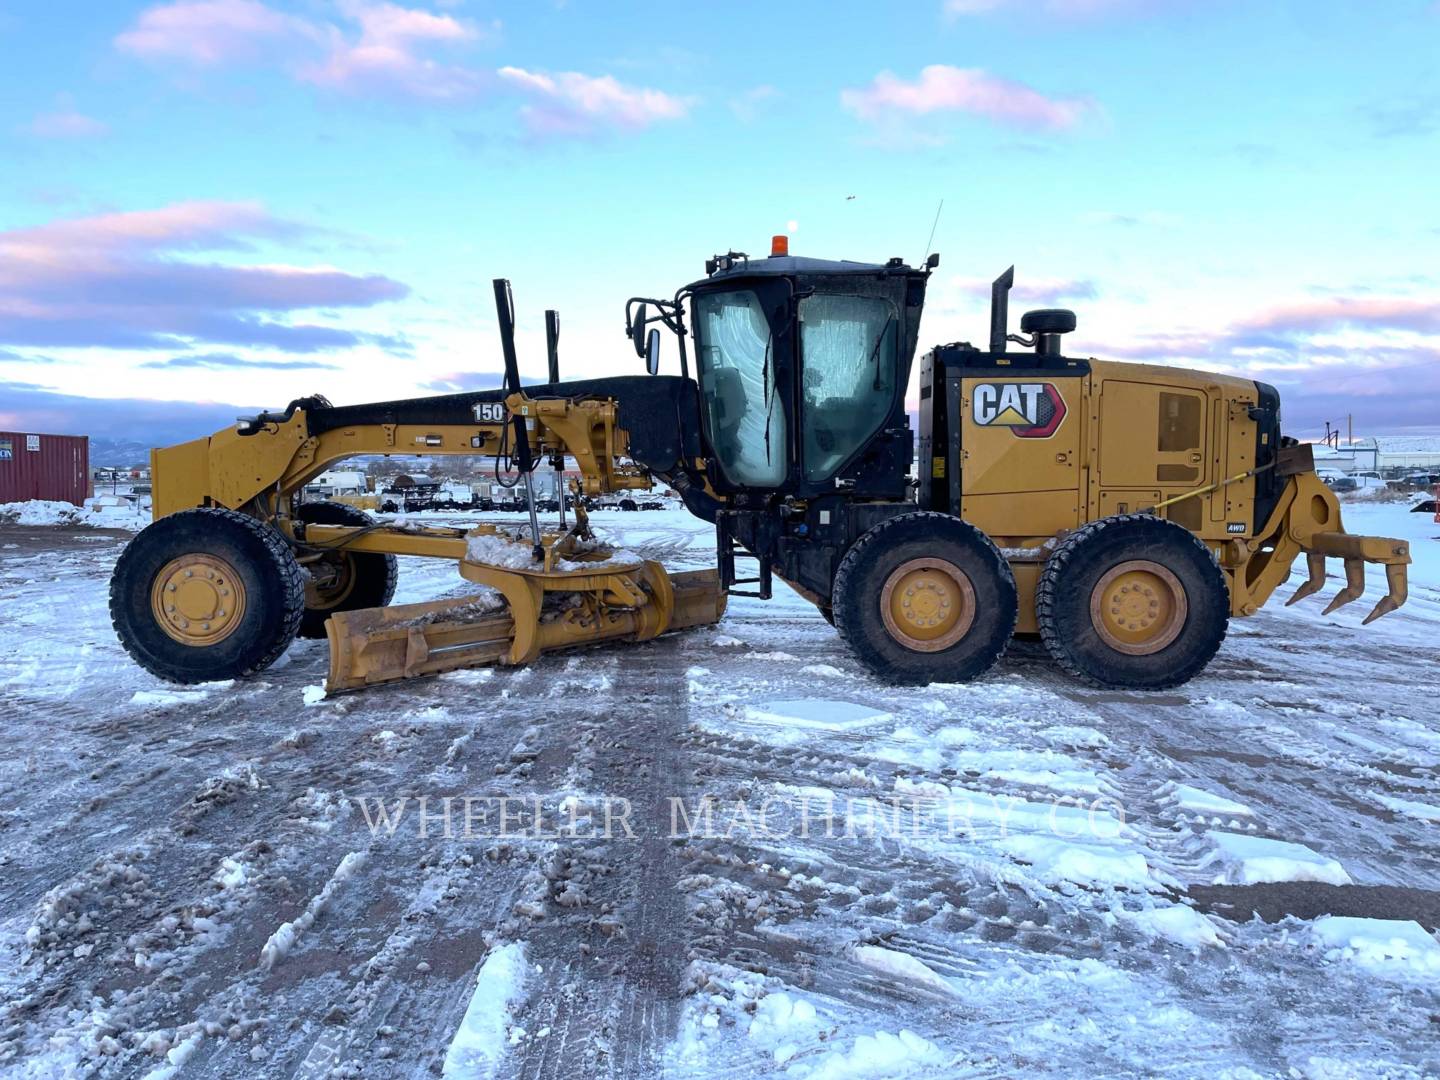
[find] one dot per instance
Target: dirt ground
(188, 880)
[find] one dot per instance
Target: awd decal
(1031, 410)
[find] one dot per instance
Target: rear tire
(363, 579)
(1132, 602)
(925, 597)
(206, 594)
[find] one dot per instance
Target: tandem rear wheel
(925, 597)
(1132, 602)
(206, 594)
(342, 580)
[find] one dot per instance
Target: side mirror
(652, 352)
(637, 331)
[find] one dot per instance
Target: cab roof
(784, 265)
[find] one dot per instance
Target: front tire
(1132, 602)
(206, 594)
(925, 597)
(344, 580)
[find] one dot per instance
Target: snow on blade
(283, 939)
(1248, 860)
(479, 1042)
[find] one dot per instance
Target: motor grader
(1122, 512)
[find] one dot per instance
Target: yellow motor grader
(1122, 512)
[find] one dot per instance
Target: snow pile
(1178, 923)
(811, 713)
(96, 514)
(900, 966)
(790, 1030)
(1381, 945)
(480, 1040)
(1066, 839)
(1249, 860)
(283, 939)
(1054, 860)
(1408, 807)
(882, 1054)
(1204, 803)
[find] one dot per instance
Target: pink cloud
(209, 33)
(387, 55)
(574, 104)
(65, 123)
(376, 47)
(1033, 290)
(1329, 314)
(942, 88)
(1065, 8)
(119, 281)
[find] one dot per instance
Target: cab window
(736, 360)
(848, 346)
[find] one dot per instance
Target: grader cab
(1123, 512)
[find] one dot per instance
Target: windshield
(736, 364)
(848, 346)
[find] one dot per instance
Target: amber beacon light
(779, 245)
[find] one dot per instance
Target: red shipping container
(40, 466)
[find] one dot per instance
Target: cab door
(1152, 447)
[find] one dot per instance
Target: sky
(208, 206)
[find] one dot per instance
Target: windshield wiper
(875, 352)
(765, 385)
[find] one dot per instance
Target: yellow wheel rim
(1138, 607)
(198, 599)
(324, 597)
(927, 604)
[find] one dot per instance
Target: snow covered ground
(1240, 878)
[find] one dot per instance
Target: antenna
(933, 227)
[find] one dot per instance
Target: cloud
(571, 104)
(1328, 357)
(24, 406)
(456, 381)
(1130, 219)
(1033, 290)
(212, 33)
(65, 123)
(224, 362)
(375, 49)
(119, 280)
(748, 106)
(1399, 119)
(1339, 312)
(942, 88)
(387, 56)
(1076, 9)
